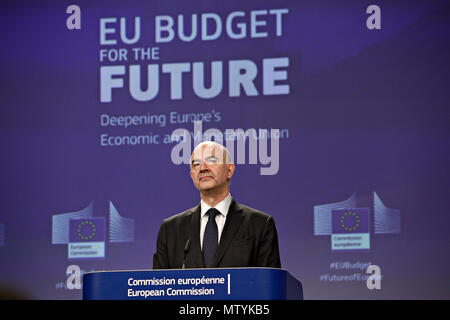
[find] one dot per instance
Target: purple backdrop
(365, 125)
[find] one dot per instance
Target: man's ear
(231, 168)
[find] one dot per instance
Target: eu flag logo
(87, 230)
(350, 229)
(350, 221)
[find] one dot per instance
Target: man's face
(209, 170)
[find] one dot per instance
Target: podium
(193, 284)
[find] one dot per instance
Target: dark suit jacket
(249, 239)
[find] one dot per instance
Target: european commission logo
(349, 226)
(85, 235)
(86, 238)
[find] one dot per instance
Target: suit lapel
(234, 218)
(194, 234)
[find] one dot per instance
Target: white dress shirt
(223, 207)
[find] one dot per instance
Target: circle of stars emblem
(357, 220)
(89, 224)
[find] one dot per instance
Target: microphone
(186, 251)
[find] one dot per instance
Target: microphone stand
(186, 251)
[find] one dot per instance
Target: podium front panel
(193, 284)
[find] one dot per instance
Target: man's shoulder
(181, 217)
(253, 213)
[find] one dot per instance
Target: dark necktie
(210, 238)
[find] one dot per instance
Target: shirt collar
(222, 206)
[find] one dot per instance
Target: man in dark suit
(219, 232)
